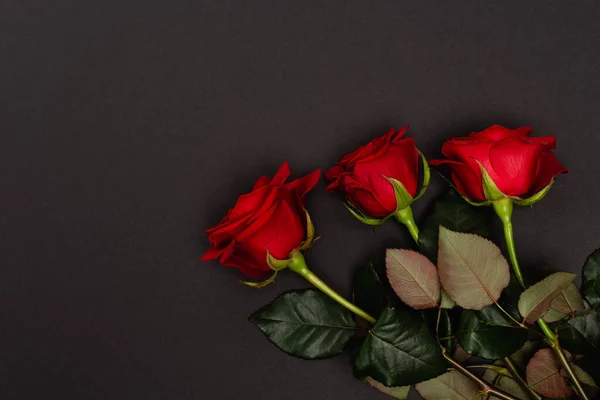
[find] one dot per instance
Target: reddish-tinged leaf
(568, 301)
(472, 269)
(536, 300)
(413, 277)
(544, 375)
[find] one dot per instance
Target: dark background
(128, 127)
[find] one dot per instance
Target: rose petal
(467, 181)
(303, 185)
(515, 163)
(280, 232)
(246, 267)
(399, 134)
(546, 142)
(472, 153)
(333, 172)
(282, 174)
(498, 132)
(260, 182)
(368, 204)
(548, 169)
(212, 254)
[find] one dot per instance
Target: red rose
(363, 174)
(269, 218)
(519, 165)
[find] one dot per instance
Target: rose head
(499, 162)
(271, 218)
(366, 176)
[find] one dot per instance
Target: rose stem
(514, 371)
(504, 210)
(405, 216)
(298, 265)
(486, 389)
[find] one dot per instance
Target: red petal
(546, 142)
(497, 132)
(467, 181)
(515, 163)
(549, 168)
(398, 135)
(408, 173)
(472, 153)
(246, 267)
(280, 233)
(333, 172)
(303, 185)
(211, 254)
(260, 182)
(282, 174)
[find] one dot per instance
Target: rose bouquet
(447, 317)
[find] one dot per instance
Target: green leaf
(568, 301)
(451, 386)
(536, 300)
(505, 383)
(553, 316)
(591, 365)
(399, 393)
(455, 214)
(472, 269)
(399, 350)
(306, 324)
(489, 333)
(521, 357)
(581, 375)
(591, 282)
(368, 291)
(581, 334)
(544, 375)
(413, 277)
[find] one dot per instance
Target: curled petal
(548, 169)
(303, 185)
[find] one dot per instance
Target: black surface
(128, 127)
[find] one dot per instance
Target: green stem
(298, 265)
(406, 217)
(514, 371)
(504, 208)
(485, 388)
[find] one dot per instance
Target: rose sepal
(536, 197)
(258, 285)
(403, 198)
(490, 190)
(310, 233)
(356, 213)
(426, 176)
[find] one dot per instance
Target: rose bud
(381, 178)
(265, 226)
(499, 163)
